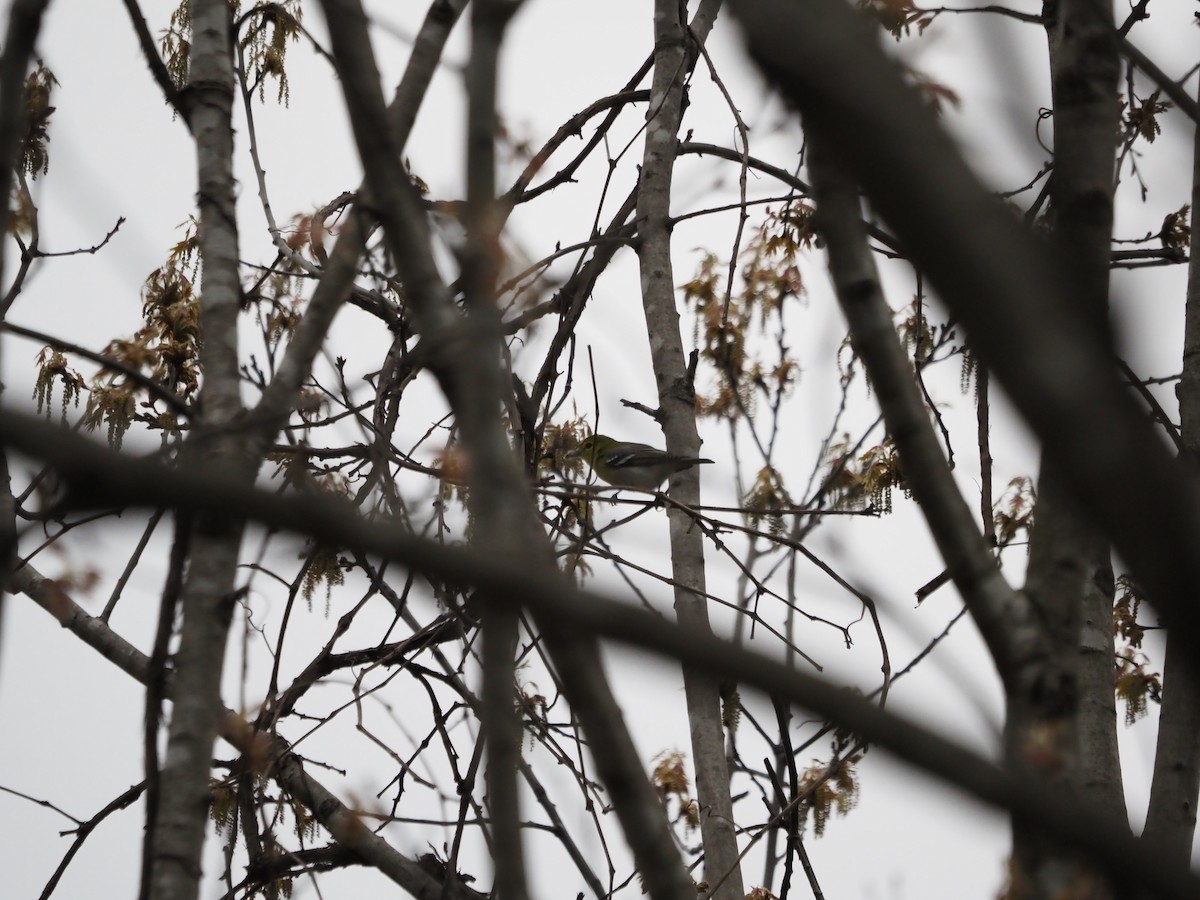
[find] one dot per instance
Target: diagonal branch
(466, 376)
(91, 471)
(993, 604)
(271, 751)
(337, 279)
(1168, 85)
(158, 68)
(1001, 284)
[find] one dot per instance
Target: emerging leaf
(35, 135)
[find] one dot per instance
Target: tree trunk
(1171, 818)
(677, 404)
(1051, 727)
(208, 592)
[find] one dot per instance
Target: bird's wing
(632, 455)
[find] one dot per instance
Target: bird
(628, 465)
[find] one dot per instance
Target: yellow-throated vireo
(627, 465)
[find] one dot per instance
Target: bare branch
(154, 62)
(1166, 84)
(140, 482)
(270, 751)
(1001, 284)
(169, 397)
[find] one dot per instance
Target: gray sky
(71, 722)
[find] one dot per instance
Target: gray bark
(1064, 722)
(575, 658)
(1098, 773)
(146, 483)
(1171, 817)
(1004, 287)
(1002, 616)
(677, 405)
(207, 598)
(1085, 68)
(499, 499)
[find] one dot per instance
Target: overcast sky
(70, 723)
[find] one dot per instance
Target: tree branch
(154, 62)
(24, 24)
(1001, 284)
(207, 596)
(674, 58)
(93, 472)
(270, 751)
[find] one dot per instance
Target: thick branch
(158, 68)
(499, 499)
(176, 838)
(1171, 817)
(677, 409)
(140, 482)
(337, 279)
(455, 359)
(1063, 720)
(1002, 618)
(999, 282)
(269, 750)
